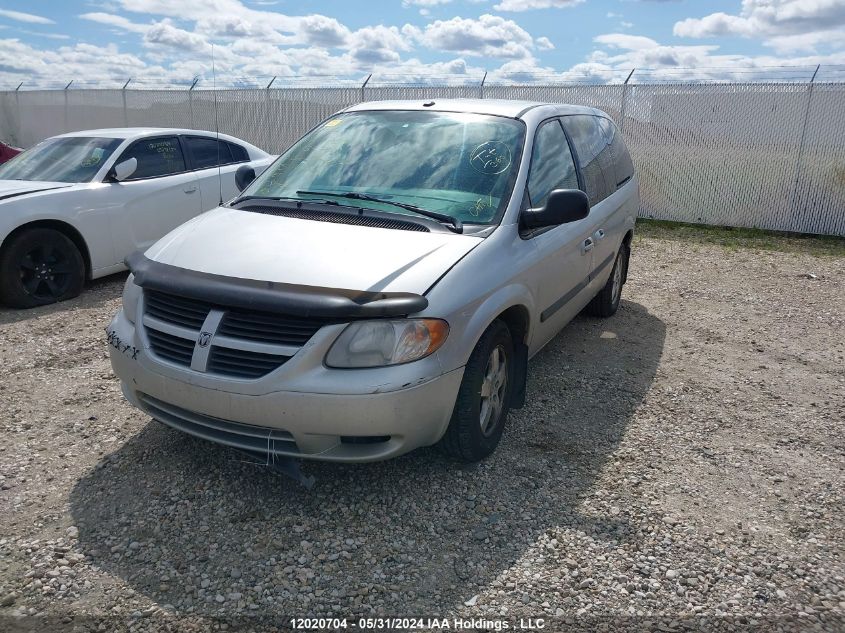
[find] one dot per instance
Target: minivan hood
(16, 188)
(249, 245)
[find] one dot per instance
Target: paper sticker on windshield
(333, 122)
(492, 157)
(94, 158)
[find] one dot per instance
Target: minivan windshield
(68, 159)
(456, 164)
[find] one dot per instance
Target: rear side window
(239, 153)
(552, 165)
(204, 152)
(623, 168)
(160, 156)
(594, 156)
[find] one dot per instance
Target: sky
(103, 43)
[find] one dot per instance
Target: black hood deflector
(270, 296)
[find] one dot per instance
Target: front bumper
(366, 419)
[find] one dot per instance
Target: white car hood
(15, 188)
(252, 245)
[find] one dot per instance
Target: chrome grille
(243, 344)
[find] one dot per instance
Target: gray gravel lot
(678, 466)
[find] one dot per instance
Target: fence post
(265, 128)
(624, 100)
(191, 100)
(794, 196)
(66, 105)
(20, 120)
(123, 93)
(481, 85)
(364, 85)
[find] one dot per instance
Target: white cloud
(376, 44)
(807, 41)
(49, 36)
(544, 44)
(320, 30)
(166, 34)
(784, 24)
(620, 52)
(115, 20)
(489, 36)
(424, 3)
(29, 18)
(527, 5)
(626, 41)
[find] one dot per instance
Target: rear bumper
(348, 427)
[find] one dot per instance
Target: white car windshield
(69, 159)
(460, 165)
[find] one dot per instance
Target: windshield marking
(492, 157)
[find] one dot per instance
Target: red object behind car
(7, 152)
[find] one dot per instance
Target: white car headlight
(386, 342)
(131, 295)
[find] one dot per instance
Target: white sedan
(74, 206)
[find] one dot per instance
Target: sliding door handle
(588, 245)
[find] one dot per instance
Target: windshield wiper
(244, 198)
(356, 195)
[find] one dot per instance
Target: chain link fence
(760, 155)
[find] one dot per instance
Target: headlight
(131, 294)
(385, 342)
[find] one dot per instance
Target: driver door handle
(191, 189)
(588, 245)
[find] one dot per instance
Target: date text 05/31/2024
(405, 624)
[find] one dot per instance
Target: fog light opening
(364, 439)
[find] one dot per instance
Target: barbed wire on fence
(783, 73)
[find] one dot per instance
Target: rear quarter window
(239, 153)
(594, 156)
(623, 167)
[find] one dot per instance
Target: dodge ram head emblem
(204, 339)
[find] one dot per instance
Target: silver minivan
(383, 284)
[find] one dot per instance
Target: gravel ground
(676, 468)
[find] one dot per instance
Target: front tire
(483, 401)
(38, 267)
(606, 302)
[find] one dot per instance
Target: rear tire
(38, 267)
(606, 302)
(483, 401)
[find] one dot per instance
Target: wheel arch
(518, 320)
(68, 230)
(629, 236)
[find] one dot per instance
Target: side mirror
(243, 176)
(562, 206)
(122, 171)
